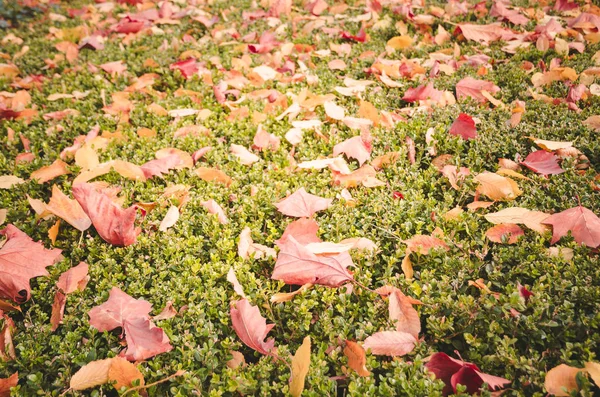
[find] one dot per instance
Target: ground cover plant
(300, 198)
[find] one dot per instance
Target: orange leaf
(356, 358)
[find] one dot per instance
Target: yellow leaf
(124, 373)
(497, 187)
(356, 358)
(560, 380)
(399, 42)
(300, 365)
(92, 374)
(86, 158)
(407, 267)
(53, 231)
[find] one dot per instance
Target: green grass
(188, 264)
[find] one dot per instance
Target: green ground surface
(188, 264)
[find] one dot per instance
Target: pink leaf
(250, 326)
(214, 208)
(244, 155)
(114, 224)
(500, 10)
(297, 265)
(303, 230)
(355, 148)
(583, 224)
(402, 311)
(482, 33)
(117, 67)
(470, 87)
(22, 259)
(144, 339)
(158, 167)
(302, 204)
(542, 162)
(505, 231)
(464, 126)
(188, 67)
(390, 343)
(74, 279)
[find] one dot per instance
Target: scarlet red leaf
(453, 372)
(583, 224)
(297, 265)
(360, 37)
(464, 126)
(302, 204)
(250, 326)
(22, 259)
(7, 383)
(543, 163)
(144, 339)
(114, 224)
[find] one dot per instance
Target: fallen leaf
(300, 366)
(237, 287)
(424, 244)
(543, 163)
(531, 219)
(92, 374)
(237, 360)
(53, 231)
(302, 204)
(297, 265)
(250, 326)
(403, 314)
(114, 224)
(244, 155)
(281, 297)
(390, 343)
(593, 369)
(22, 259)
(54, 170)
(170, 219)
(561, 380)
(214, 208)
(355, 148)
(583, 224)
(8, 181)
(357, 358)
(508, 231)
(7, 383)
(69, 210)
(470, 87)
(497, 187)
(464, 126)
(213, 175)
(124, 373)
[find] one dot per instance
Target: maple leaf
(390, 343)
(583, 224)
(303, 230)
(453, 372)
(464, 126)
(543, 163)
(355, 148)
(422, 93)
(144, 339)
(297, 265)
(22, 259)
(302, 204)
(250, 326)
(470, 87)
(114, 224)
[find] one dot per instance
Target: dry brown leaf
(237, 360)
(123, 373)
(357, 358)
(407, 268)
(560, 380)
(53, 231)
(8, 181)
(497, 187)
(593, 370)
(213, 175)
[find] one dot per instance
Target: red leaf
(390, 343)
(524, 292)
(355, 148)
(360, 37)
(128, 25)
(188, 67)
(302, 204)
(250, 326)
(114, 224)
(297, 265)
(542, 162)
(470, 87)
(22, 259)
(583, 224)
(144, 339)
(464, 126)
(453, 372)
(422, 93)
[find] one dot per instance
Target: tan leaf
(86, 158)
(594, 370)
(92, 374)
(551, 145)
(556, 252)
(531, 219)
(237, 360)
(399, 42)
(8, 181)
(508, 231)
(407, 268)
(497, 187)
(593, 122)
(123, 373)
(357, 359)
(560, 380)
(402, 312)
(300, 365)
(288, 296)
(170, 219)
(50, 172)
(68, 210)
(3, 213)
(58, 310)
